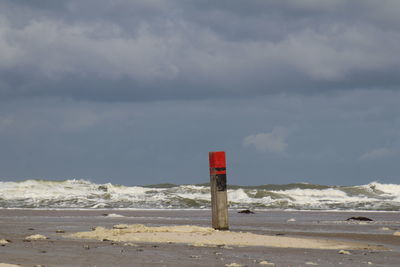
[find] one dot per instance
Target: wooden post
(219, 199)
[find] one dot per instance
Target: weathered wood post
(219, 198)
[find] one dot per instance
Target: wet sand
(58, 250)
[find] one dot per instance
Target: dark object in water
(246, 212)
(361, 218)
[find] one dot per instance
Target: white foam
(114, 215)
(389, 190)
(318, 196)
(80, 194)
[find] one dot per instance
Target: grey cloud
(273, 142)
(98, 89)
(377, 153)
(155, 50)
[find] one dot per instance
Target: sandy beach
(274, 238)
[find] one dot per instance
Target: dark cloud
(132, 91)
(345, 138)
(154, 50)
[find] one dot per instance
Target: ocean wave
(300, 196)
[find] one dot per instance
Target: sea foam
(84, 194)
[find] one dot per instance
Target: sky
(138, 92)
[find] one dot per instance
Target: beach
(377, 244)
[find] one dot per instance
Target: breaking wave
(301, 196)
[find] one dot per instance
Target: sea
(84, 194)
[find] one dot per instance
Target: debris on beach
(129, 244)
(60, 231)
(265, 263)
(224, 246)
(360, 218)
(35, 237)
(291, 220)
(246, 212)
(120, 226)
(234, 264)
(344, 252)
(112, 215)
(199, 244)
(3, 242)
(396, 233)
(311, 263)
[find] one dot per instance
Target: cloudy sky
(138, 92)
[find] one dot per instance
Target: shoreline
(202, 209)
(17, 224)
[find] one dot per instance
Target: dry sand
(205, 236)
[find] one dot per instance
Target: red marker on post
(219, 198)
